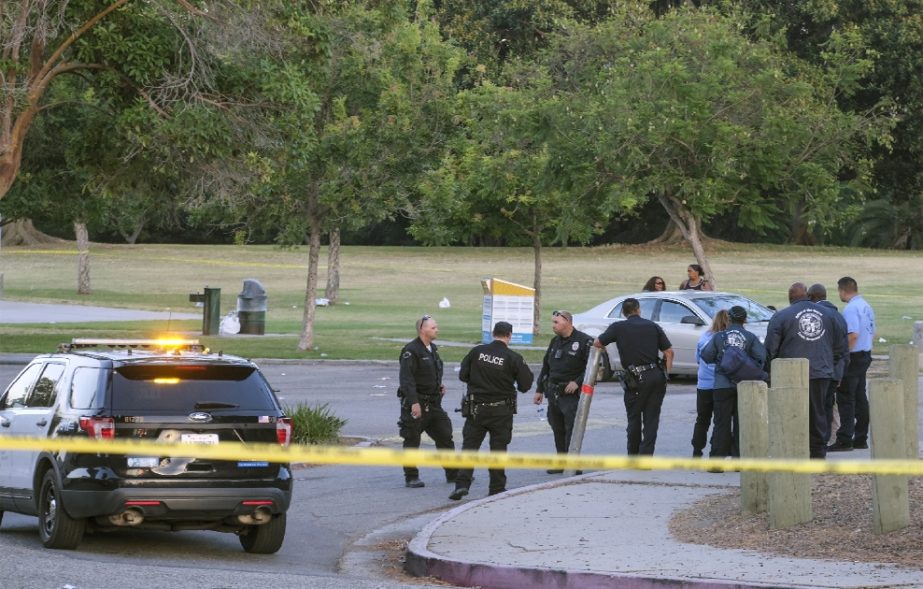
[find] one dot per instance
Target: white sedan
(684, 316)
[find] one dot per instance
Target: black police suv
(144, 390)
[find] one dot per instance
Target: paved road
(20, 312)
(343, 520)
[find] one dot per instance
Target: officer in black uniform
(639, 342)
(491, 371)
(421, 393)
(561, 378)
(802, 330)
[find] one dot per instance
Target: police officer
(640, 342)
(561, 377)
(851, 397)
(818, 295)
(802, 330)
(491, 371)
(421, 393)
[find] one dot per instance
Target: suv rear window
(168, 389)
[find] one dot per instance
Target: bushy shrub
(314, 424)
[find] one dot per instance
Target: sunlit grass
(388, 288)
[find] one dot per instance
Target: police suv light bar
(186, 345)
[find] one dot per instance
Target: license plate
(143, 461)
(199, 439)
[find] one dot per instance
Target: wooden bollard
(890, 501)
(904, 365)
(789, 493)
(753, 411)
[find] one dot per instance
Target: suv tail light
(284, 430)
(101, 428)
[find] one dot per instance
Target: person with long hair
(696, 279)
(654, 283)
(704, 397)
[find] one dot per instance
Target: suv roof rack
(170, 345)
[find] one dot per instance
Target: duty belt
(639, 368)
(491, 404)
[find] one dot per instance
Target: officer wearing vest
(726, 436)
(801, 330)
(561, 377)
(851, 397)
(818, 295)
(493, 373)
(640, 342)
(421, 391)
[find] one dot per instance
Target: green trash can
(251, 308)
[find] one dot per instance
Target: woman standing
(704, 399)
(696, 280)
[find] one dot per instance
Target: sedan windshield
(755, 311)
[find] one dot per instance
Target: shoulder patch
(406, 354)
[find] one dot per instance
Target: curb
(421, 562)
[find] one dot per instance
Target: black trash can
(251, 308)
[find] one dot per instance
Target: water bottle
(540, 412)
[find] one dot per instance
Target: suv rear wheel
(266, 538)
(56, 528)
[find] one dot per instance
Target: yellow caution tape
(464, 459)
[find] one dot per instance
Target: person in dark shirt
(818, 295)
(421, 391)
(802, 330)
(494, 373)
(640, 342)
(561, 377)
(726, 436)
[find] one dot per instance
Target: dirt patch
(393, 553)
(841, 528)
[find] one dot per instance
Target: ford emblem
(200, 416)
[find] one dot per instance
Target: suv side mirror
(692, 320)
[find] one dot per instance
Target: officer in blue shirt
(851, 398)
(801, 330)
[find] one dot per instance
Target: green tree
(502, 177)
(892, 32)
(687, 110)
(147, 48)
(352, 107)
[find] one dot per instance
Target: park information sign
(510, 302)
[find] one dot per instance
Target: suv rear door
(34, 420)
(12, 402)
(195, 404)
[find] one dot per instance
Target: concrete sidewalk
(611, 530)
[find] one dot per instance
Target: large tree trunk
(800, 231)
(671, 235)
(83, 257)
(537, 277)
(306, 342)
(130, 234)
(691, 228)
(23, 232)
(332, 291)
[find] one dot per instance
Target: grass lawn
(388, 288)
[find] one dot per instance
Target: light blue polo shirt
(860, 319)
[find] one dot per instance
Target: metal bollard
(583, 405)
